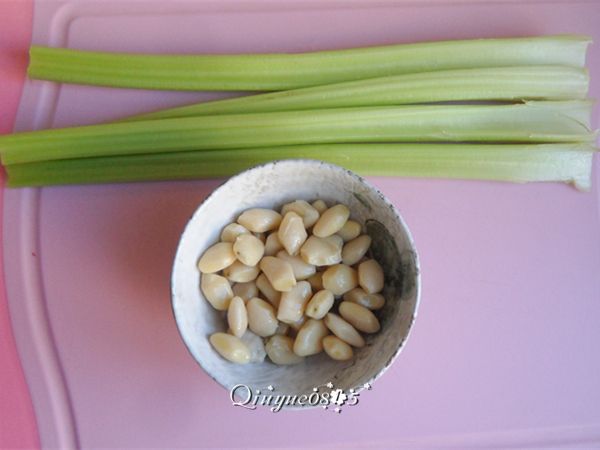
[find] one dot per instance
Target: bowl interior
(271, 186)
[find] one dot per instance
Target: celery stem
(568, 121)
(570, 163)
(494, 84)
(269, 72)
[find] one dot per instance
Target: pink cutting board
(504, 349)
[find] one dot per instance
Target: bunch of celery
(365, 109)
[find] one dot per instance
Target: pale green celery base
(538, 122)
(569, 163)
(291, 71)
(494, 84)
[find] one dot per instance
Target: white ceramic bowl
(272, 185)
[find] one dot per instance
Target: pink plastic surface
(18, 427)
(504, 351)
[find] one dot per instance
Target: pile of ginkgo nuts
(293, 284)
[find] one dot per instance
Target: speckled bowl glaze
(272, 185)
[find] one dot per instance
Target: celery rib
(569, 163)
(490, 84)
(269, 72)
(568, 121)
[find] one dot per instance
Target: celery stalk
(570, 163)
(490, 84)
(269, 72)
(568, 121)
